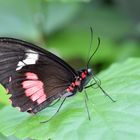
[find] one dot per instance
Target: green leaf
(3, 95)
(109, 121)
(7, 138)
(18, 18)
(78, 40)
(68, 1)
(35, 18)
(58, 14)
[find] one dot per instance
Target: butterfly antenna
(93, 52)
(56, 111)
(91, 40)
(103, 90)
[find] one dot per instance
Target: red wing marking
(34, 88)
(29, 83)
(35, 96)
(41, 99)
(31, 75)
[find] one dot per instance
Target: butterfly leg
(56, 111)
(105, 93)
(86, 105)
(86, 96)
(90, 86)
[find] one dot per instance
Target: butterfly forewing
(33, 76)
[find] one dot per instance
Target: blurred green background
(62, 26)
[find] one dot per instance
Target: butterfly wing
(33, 76)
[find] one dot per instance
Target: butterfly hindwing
(33, 76)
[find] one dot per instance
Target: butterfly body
(80, 81)
(34, 77)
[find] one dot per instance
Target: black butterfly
(35, 77)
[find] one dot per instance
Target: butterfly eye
(89, 71)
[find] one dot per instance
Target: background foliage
(62, 26)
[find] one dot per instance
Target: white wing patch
(31, 58)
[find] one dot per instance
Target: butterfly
(35, 77)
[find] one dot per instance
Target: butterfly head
(90, 72)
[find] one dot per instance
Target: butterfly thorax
(84, 76)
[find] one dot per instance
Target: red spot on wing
(34, 88)
(37, 95)
(26, 84)
(38, 85)
(41, 99)
(30, 75)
